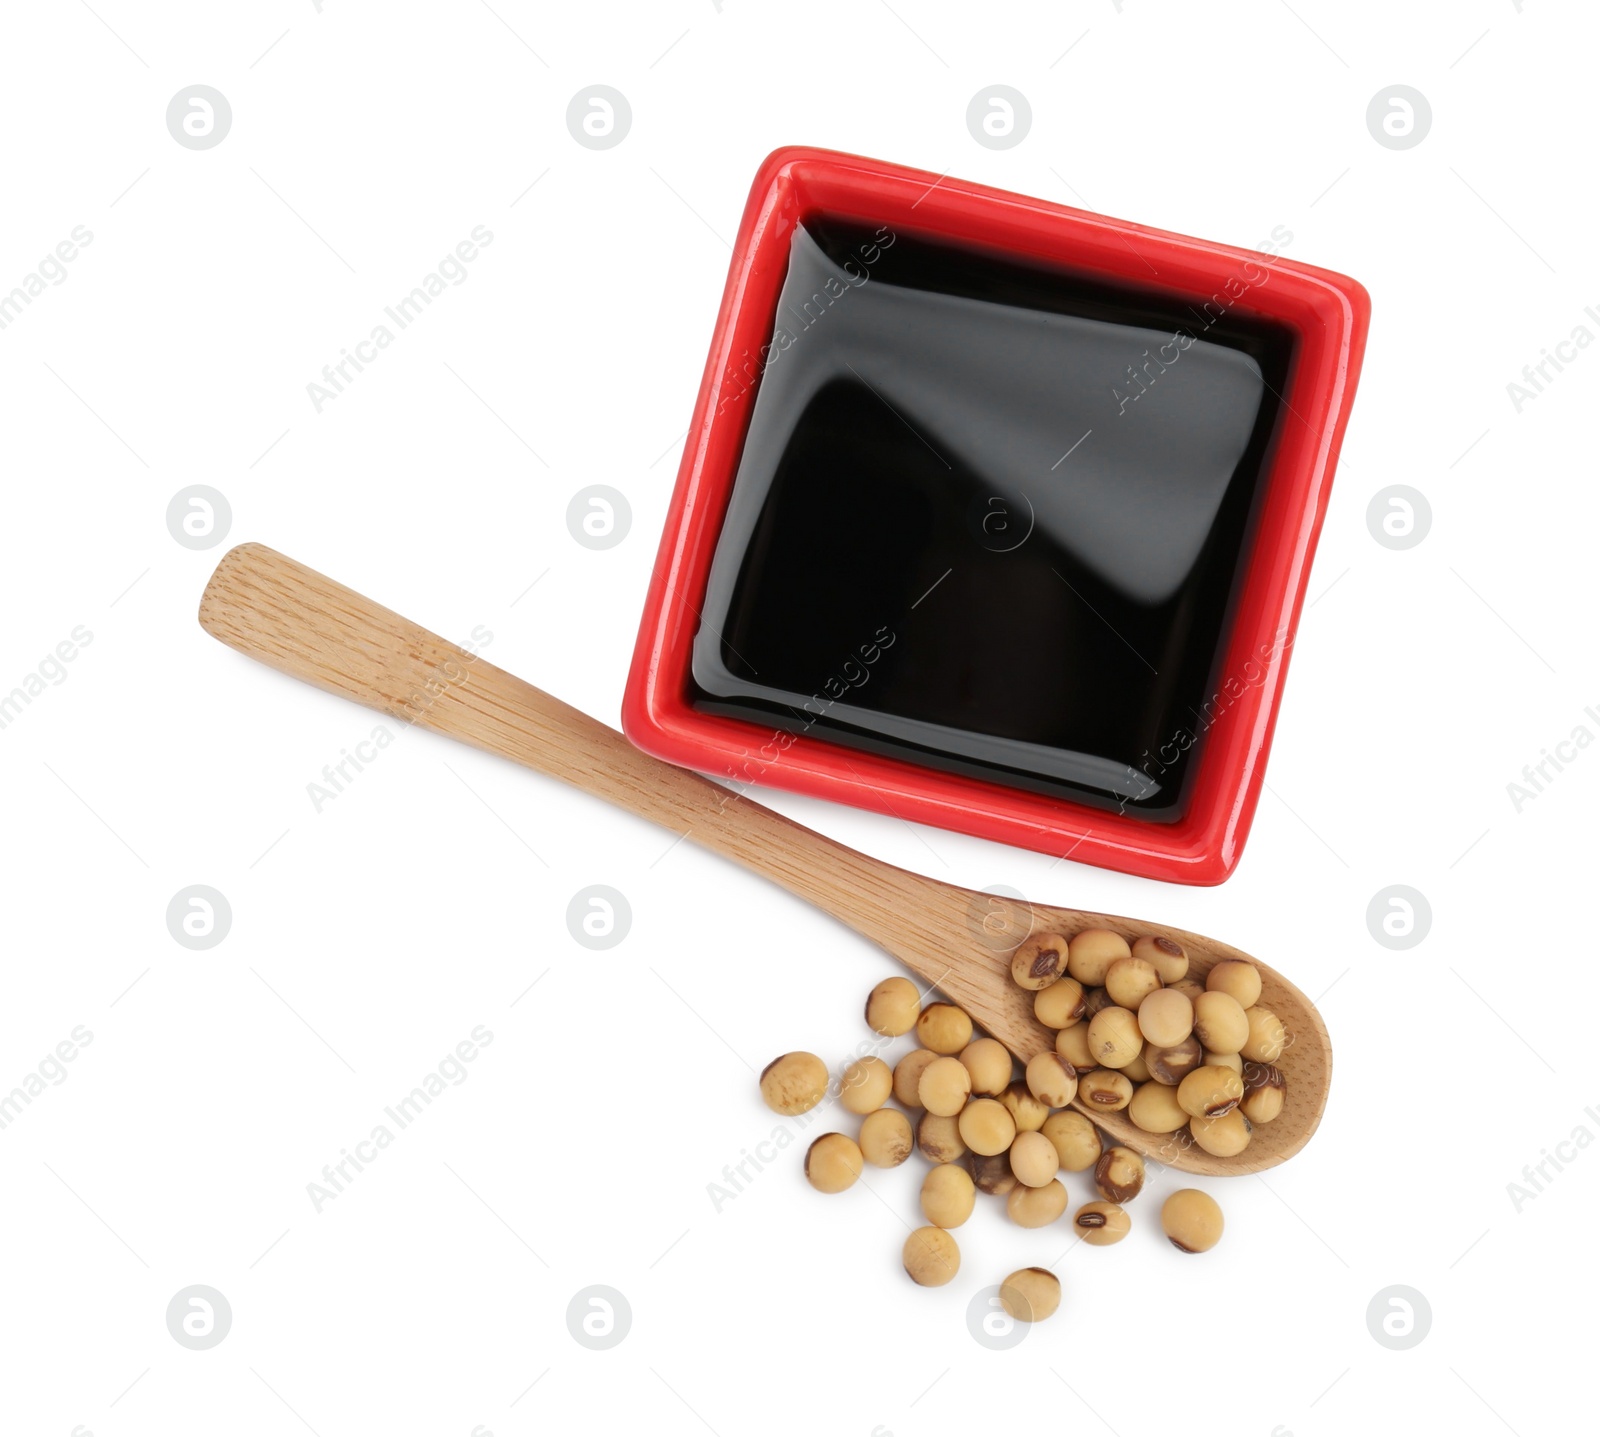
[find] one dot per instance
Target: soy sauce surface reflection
(988, 518)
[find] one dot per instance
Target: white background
(370, 938)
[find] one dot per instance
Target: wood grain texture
(297, 620)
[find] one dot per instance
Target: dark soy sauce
(988, 517)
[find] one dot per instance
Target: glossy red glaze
(1328, 314)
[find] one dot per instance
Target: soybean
(1192, 1220)
(1036, 1207)
(794, 1083)
(1031, 1294)
(931, 1257)
(988, 1064)
(948, 1195)
(1210, 1092)
(1166, 1017)
(1219, 1022)
(1060, 1005)
(1224, 1137)
(893, 1006)
(908, 1073)
(1241, 981)
(1114, 1037)
(1189, 987)
(1095, 999)
(1155, 1109)
(943, 1087)
(1091, 954)
(1040, 961)
(1264, 1092)
(986, 1127)
(944, 1027)
(1119, 1175)
(1073, 1045)
(1167, 954)
(1101, 1223)
(1052, 1079)
(992, 1174)
(1076, 1139)
(1104, 1090)
(1027, 1112)
(939, 1139)
(1130, 981)
(833, 1163)
(865, 1085)
(1171, 1065)
(1034, 1159)
(1266, 1039)
(885, 1139)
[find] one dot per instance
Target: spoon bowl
(968, 958)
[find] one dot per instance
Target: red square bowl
(1321, 318)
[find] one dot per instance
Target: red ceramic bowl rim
(1328, 314)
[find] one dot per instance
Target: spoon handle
(292, 618)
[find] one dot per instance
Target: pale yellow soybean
(948, 1195)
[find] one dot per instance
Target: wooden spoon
(296, 620)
